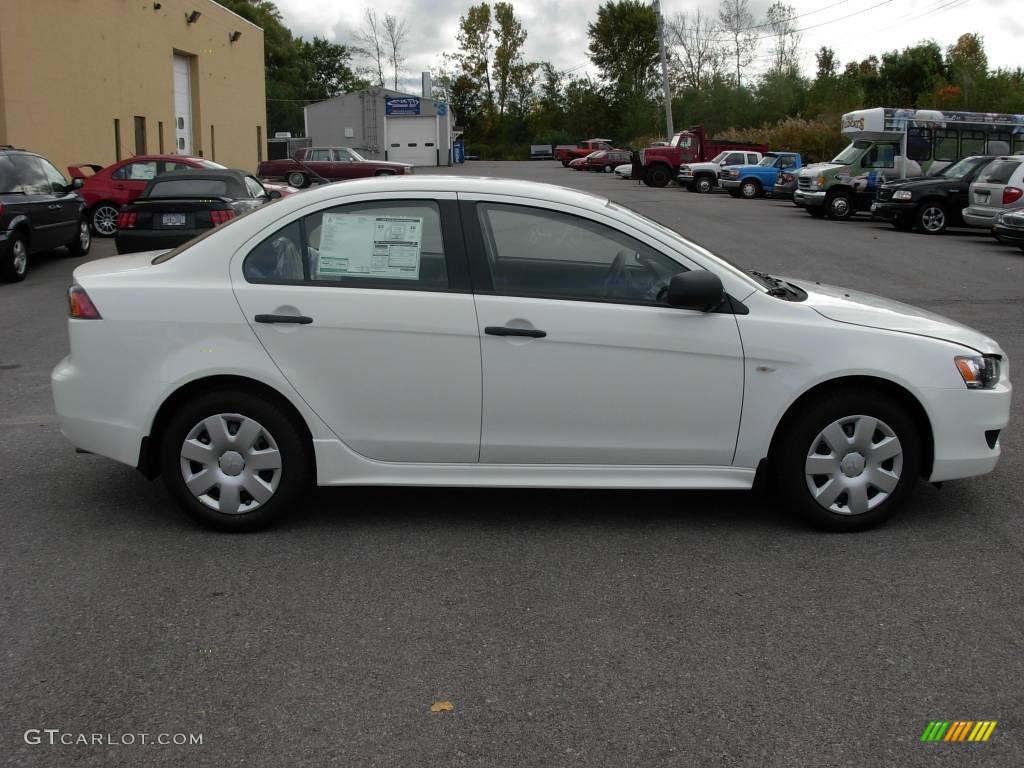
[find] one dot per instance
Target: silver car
(999, 187)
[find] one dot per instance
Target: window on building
(213, 144)
(140, 135)
(117, 139)
(160, 135)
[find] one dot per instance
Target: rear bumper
(806, 199)
(985, 218)
(79, 422)
(133, 241)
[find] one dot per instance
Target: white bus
(889, 144)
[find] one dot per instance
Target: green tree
(907, 78)
(508, 53)
(328, 68)
(475, 46)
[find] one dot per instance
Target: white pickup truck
(703, 177)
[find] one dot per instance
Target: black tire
(750, 188)
(294, 474)
(297, 180)
(82, 241)
(103, 219)
(14, 263)
(703, 184)
(840, 205)
(657, 176)
(931, 218)
(800, 442)
(816, 213)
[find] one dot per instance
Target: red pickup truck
(659, 165)
(584, 148)
(314, 164)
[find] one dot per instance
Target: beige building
(94, 81)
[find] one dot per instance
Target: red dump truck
(584, 148)
(659, 165)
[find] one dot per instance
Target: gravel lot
(566, 628)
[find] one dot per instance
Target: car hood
(920, 182)
(844, 305)
(816, 168)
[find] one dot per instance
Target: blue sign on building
(401, 105)
(442, 108)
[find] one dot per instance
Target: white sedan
(624, 171)
(479, 332)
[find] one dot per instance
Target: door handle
(501, 330)
(297, 319)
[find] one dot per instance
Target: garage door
(412, 140)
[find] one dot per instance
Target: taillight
(127, 219)
(1011, 195)
(221, 217)
(80, 305)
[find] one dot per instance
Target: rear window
(999, 172)
(189, 188)
(8, 180)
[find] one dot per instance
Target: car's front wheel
(233, 461)
(703, 184)
(847, 461)
(931, 218)
(840, 205)
(750, 189)
(103, 219)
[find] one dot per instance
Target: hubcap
(854, 464)
(704, 185)
(296, 180)
(104, 219)
(749, 190)
(20, 257)
(230, 463)
(840, 206)
(84, 236)
(933, 219)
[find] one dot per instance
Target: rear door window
(319, 155)
(30, 173)
(9, 182)
(999, 171)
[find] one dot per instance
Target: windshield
(961, 169)
(682, 140)
(851, 153)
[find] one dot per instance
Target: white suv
(999, 187)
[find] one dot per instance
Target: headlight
(731, 174)
(684, 169)
(903, 194)
(978, 371)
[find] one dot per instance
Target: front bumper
(960, 419)
(1012, 235)
(809, 199)
(728, 183)
(976, 216)
(892, 210)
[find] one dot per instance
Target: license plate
(173, 219)
(981, 197)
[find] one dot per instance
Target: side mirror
(274, 194)
(76, 183)
(697, 289)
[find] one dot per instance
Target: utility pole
(669, 130)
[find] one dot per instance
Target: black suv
(930, 204)
(39, 211)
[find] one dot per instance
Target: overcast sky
(557, 29)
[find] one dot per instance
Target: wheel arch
(877, 384)
(149, 453)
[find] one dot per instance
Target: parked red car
(606, 160)
(105, 190)
(330, 163)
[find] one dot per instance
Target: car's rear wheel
(234, 461)
(82, 241)
(750, 189)
(931, 218)
(14, 265)
(297, 180)
(103, 219)
(703, 184)
(847, 461)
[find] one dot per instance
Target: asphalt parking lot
(565, 628)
